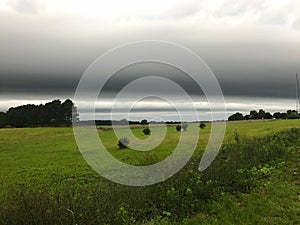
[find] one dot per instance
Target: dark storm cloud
(243, 83)
(43, 84)
(237, 77)
(280, 84)
(45, 54)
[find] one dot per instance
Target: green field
(43, 163)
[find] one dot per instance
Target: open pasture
(50, 157)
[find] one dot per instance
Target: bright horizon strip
(243, 105)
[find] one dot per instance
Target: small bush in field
(147, 131)
(178, 127)
(202, 125)
(123, 143)
(184, 126)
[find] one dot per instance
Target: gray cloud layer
(251, 46)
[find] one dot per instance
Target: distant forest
(55, 113)
(261, 114)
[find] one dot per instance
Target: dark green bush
(147, 131)
(178, 127)
(202, 125)
(144, 122)
(123, 143)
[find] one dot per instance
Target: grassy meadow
(254, 180)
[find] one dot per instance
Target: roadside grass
(275, 200)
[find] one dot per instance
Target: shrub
(178, 127)
(123, 143)
(147, 131)
(144, 122)
(240, 164)
(236, 116)
(202, 125)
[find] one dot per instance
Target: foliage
(236, 116)
(147, 131)
(292, 114)
(144, 122)
(123, 143)
(53, 113)
(178, 127)
(2, 119)
(261, 114)
(239, 165)
(202, 125)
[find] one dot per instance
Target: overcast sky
(253, 47)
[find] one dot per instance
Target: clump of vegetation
(240, 164)
(202, 125)
(53, 114)
(236, 116)
(123, 143)
(261, 114)
(178, 127)
(144, 122)
(147, 131)
(185, 126)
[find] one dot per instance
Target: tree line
(261, 114)
(54, 113)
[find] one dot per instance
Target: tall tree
(253, 115)
(261, 114)
(3, 121)
(236, 116)
(69, 113)
(52, 113)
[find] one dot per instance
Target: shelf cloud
(46, 45)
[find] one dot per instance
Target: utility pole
(297, 94)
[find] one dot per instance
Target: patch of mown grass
(242, 166)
